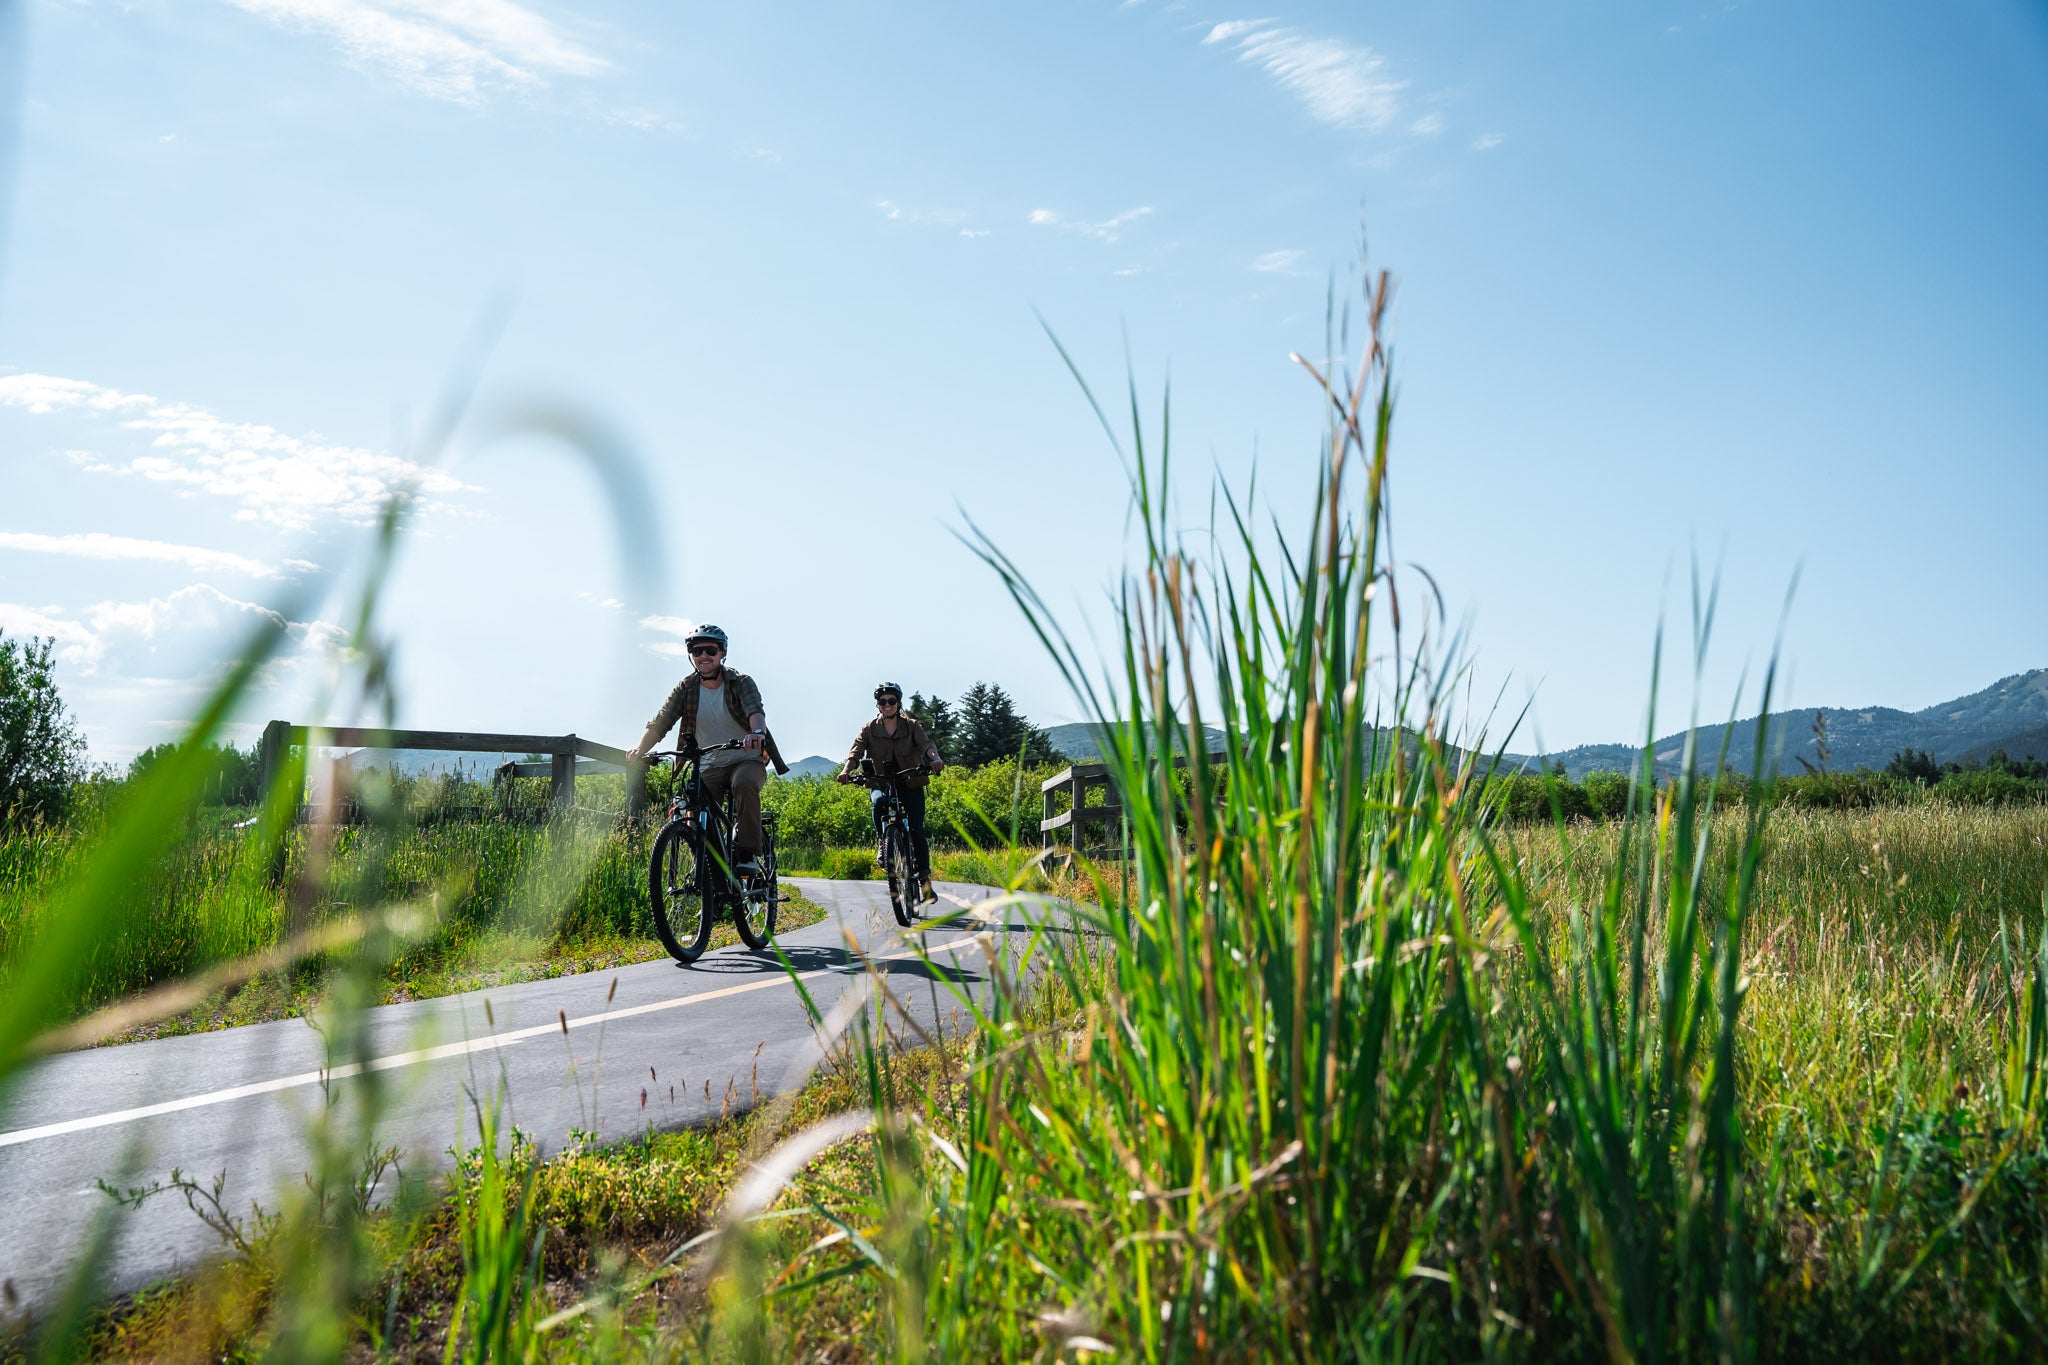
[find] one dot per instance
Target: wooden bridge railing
(561, 768)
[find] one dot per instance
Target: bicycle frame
(712, 830)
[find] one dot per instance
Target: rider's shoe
(924, 884)
(748, 867)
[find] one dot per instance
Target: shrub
(848, 865)
(1989, 787)
(1856, 790)
(1606, 794)
(1524, 798)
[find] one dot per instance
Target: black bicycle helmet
(711, 633)
(887, 689)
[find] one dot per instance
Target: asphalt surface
(667, 1047)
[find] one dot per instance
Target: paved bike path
(671, 1046)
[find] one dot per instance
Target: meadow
(1340, 1062)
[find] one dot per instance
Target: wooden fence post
(562, 778)
(270, 754)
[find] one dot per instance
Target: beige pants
(744, 781)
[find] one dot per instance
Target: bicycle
(690, 876)
(899, 850)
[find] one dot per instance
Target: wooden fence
(1079, 780)
(561, 769)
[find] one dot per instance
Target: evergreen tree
(1914, 765)
(41, 753)
(940, 721)
(991, 728)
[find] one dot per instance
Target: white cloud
(974, 232)
(449, 49)
(1342, 84)
(188, 636)
(669, 625)
(288, 481)
(1130, 270)
(669, 649)
(942, 217)
(1107, 231)
(100, 545)
(1486, 142)
(1277, 262)
(1429, 125)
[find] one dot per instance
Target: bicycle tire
(675, 892)
(745, 907)
(902, 873)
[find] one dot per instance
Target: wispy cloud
(669, 625)
(180, 637)
(1106, 231)
(897, 213)
(1342, 84)
(1277, 262)
(1486, 142)
(288, 481)
(100, 545)
(1429, 125)
(449, 49)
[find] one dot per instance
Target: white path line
(398, 1059)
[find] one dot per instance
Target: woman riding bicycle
(898, 744)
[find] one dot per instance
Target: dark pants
(745, 781)
(913, 806)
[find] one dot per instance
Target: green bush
(1989, 787)
(848, 865)
(1857, 790)
(1524, 797)
(963, 807)
(1606, 794)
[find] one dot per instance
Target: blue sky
(1757, 282)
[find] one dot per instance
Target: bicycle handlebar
(694, 751)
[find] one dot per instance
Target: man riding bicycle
(897, 743)
(734, 713)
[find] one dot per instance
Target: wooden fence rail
(562, 767)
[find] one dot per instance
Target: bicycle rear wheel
(682, 913)
(902, 870)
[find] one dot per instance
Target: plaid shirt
(742, 700)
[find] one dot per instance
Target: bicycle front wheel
(675, 892)
(902, 870)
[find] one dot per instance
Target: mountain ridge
(1969, 726)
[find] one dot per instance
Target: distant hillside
(817, 765)
(2026, 744)
(1079, 741)
(1858, 736)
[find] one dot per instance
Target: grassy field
(1875, 1036)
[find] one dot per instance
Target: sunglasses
(705, 651)
(891, 701)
